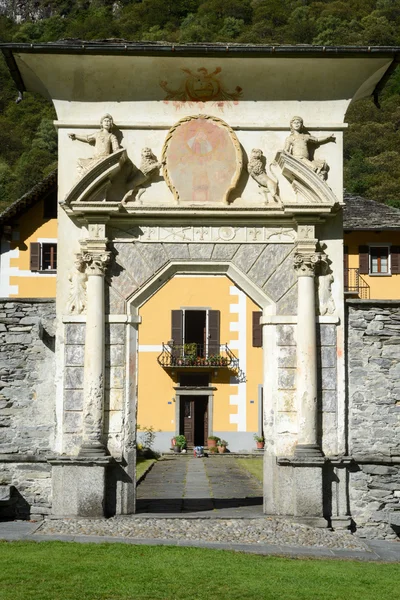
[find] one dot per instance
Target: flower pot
(221, 449)
(177, 449)
(260, 445)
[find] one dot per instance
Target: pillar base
(78, 486)
(308, 501)
(293, 486)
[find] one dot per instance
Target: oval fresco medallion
(202, 160)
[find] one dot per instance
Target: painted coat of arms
(202, 160)
(199, 87)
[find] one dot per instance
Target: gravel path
(267, 530)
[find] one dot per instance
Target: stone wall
(27, 417)
(373, 348)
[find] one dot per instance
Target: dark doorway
(194, 419)
(195, 327)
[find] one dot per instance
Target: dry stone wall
(373, 349)
(27, 417)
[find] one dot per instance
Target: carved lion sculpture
(149, 167)
(267, 183)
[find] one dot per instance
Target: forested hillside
(28, 144)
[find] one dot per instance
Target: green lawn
(68, 571)
(142, 465)
(253, 466)
(71, 571)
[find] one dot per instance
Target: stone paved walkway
(213, 487)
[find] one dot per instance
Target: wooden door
(206, 422)
(188, 419)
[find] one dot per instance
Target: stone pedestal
(78, 486)
(308, 501)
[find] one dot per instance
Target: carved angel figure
(267, 183)
(77, 295)
(149, 167)
(325, 301)
(298, 142)
(104, 142)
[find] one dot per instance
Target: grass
(253, 466)
(142, 465)
(71, 571)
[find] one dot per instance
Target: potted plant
(212, 441)
(180, 442)
(222, 444)
(260, 441)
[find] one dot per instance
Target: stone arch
(264, 269)
(240, 279)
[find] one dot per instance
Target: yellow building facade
(371, 249)
(194, 386)
(28, 261)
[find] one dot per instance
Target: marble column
(306, 385)
(96, 258)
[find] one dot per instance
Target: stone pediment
(92, 187)
(310, 190)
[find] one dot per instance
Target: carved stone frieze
(208, 234)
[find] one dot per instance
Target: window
(43, 256)
(200, 327)
(379, 259)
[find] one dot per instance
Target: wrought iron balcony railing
(212, 356)
(354, 283)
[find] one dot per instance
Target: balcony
(197, 356)
(355, 285)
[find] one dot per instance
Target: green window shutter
(35, 256)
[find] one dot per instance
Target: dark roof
(120, 46)
(39, 191)
(360, 213)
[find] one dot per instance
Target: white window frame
(43, 241)
(378, 245)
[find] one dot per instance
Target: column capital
(305, 263)
(95, 256)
